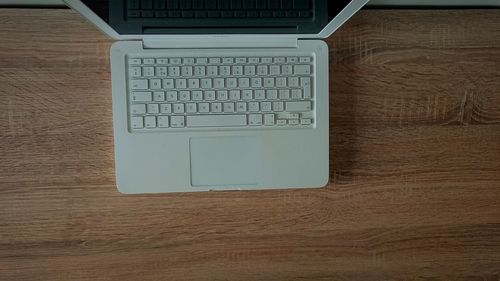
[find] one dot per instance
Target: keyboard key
(153, 109)
(166, 108)
(204, 107)
(135, 71)
(150, 122)
(210, 95)
(250, 70)
(187, 71)
(243, 82)
(287, 70)
(194, 83)
(281, 122)
(275, 70)
(298, 106)
(137, 122)
(222, 95)
(197, 95)
(260, 94)
(216, 120)
(141, 96)
(302, 70)
(284, 94)
(255, 119)
(296, 94)
(155, 84)
(191, 108)
(175, 61)
(278, 106)
(228, 107)
(305, 60)
(241, 107)
(272, 94)
(216, 107)
(148, 71)
(184, 95)
(232, 83)
(253, 106)
(178, 108)
(235, 95)
(172, 96)
(161, 71)
(138, 109)
(177, 122)
(181, 83)
(269, 82)
(281, 82)
(139, 84)
(219, 83)
(247, 94)
(162, 61)
(256, 82)
(269, 119)
(168, 83)
(134, 61)
(305, 121)
(206, 83)
(163, 122)
(199, 71)
(149, 61)
(174, 71)
(265, 106)
(262, 70)
(159, 96)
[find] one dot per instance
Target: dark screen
(217, 16)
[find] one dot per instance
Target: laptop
(219, 94)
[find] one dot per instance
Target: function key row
(218, 60)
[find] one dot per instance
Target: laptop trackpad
(224, 161)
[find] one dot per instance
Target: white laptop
(219, 94)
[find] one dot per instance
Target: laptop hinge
(220, 41)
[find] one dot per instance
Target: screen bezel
(351, 8)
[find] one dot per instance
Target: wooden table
(415, 165)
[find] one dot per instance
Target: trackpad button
(224, 161)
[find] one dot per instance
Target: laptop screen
(138, 17)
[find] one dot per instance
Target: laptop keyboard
(219, 9)
(220, 92)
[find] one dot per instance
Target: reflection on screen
(216, 16)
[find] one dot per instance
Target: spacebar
(216, 121)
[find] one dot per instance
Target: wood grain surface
(415, 165)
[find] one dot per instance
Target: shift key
(298, 106)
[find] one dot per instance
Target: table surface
(415, 165)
